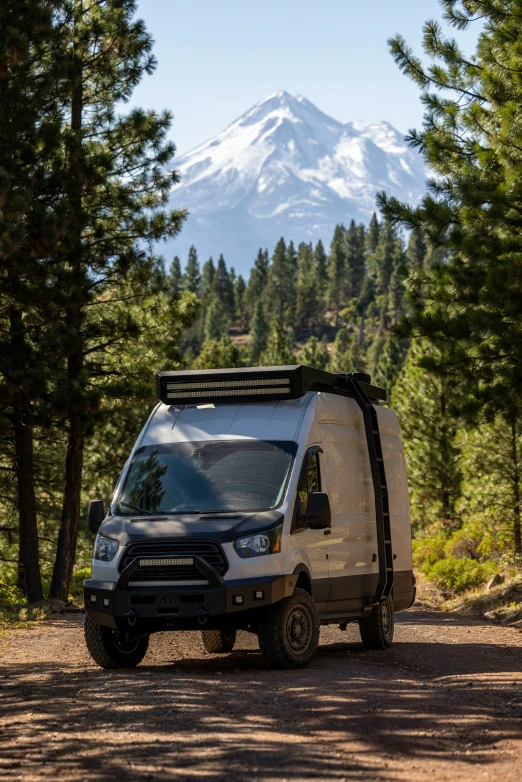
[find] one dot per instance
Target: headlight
(260, 544)
(105, 548)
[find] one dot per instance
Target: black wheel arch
(304, 579)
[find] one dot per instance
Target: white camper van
(271, 500)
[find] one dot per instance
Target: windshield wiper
(140, 510)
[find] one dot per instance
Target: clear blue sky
(217, 59)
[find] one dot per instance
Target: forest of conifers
(426, 298)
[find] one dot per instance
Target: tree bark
(29, 576)
(74, 315)
(70, 518)
(516, 490)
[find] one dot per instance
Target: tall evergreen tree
(279, 351)
(175, 277)
(219, 354)
(337, 271)
(416, 252)
(321, 268)
(315, 354)
(280, 282)
(308, 303)
(116, 182)
(425, 404)
(240, 303)
(225, 287)
(208, 284)
(192, 275)
(472, 141)
(259, 332)
(30, 117)
(355, 260)
(215, 320)
(373, 234)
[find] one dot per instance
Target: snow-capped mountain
(286, 169)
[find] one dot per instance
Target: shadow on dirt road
(445, 702)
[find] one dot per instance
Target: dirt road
(445, 703)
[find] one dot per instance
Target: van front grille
(208, 550)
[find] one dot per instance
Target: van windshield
(215, 476)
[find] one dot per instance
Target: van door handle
(328, 532)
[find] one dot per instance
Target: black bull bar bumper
(216, 604)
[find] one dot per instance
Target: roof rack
(255, 384)
(292, 382)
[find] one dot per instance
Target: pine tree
(259, 331)
(416, 252)
(372, 235)
(215, 320)
(321, 270)
(225, 288)
(116, 184)
(174, 282)
(390, 362)
(491, 466)
(355, 260)
(219, 354)
(340, 348)
(240, 303)
(337, 271)
(208, 284)
(315, 354)
(257, 283)
(425, 405)
(279, 351)
(280, 282)
(471, 140)
(192, 276)
(308, 304)
(31, 65)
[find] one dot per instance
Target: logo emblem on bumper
(167, 600)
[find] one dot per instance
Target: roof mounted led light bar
(253, 384)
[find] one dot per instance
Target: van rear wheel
(289, 634)
(377, 630)
(112, 649)
(218, 641)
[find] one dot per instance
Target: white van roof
(195, 423)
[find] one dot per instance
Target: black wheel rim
(124, 644)
(299, 629)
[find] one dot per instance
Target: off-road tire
(109, 648)
(377, 630)
(289, 633)
(218, 641)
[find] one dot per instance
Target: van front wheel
(112, 649)
(377, 630)
(218, 641)
(289, 634)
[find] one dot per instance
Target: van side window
(310, 482)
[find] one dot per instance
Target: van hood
(223, 527)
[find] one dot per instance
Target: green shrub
(428, 550)
(76, 589)
(459, 575)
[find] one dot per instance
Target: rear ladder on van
(382, 509)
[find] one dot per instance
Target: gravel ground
(444, 703)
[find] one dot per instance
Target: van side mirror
(318, 514)
(95, 515)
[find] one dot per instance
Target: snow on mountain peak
(286, 168)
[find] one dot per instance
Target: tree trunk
(516, 490)
(29, 576)
(70, 519)
(74, 315)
